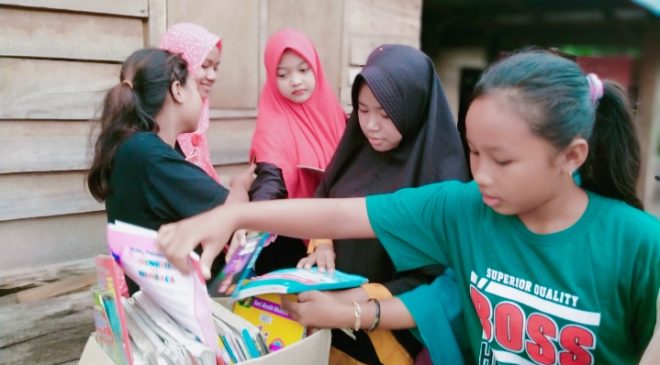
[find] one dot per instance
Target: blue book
(240, 266)
(293, 281)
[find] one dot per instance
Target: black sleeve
(409, 280)
(269, 183)
(179, 188)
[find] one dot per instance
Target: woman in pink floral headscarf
(202, 50)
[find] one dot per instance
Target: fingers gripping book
(183, 297)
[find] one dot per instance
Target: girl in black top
(136, 170)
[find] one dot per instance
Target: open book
(293, 281)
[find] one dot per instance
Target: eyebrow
(363, 104)
(493, 149)
(298, 65)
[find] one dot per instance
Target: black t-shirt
(152, 184)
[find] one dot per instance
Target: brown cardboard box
(312, 350)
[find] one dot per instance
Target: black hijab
(404, 81)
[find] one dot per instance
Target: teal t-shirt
(583, 295)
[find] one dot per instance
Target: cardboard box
(314, 349)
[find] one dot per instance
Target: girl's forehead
(291, 58)
(495, 118)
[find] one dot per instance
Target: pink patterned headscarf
(193, 42)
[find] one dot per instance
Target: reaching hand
(237, 241)
(319, 310)
(323, 257)
(243, 180)
(177, 240)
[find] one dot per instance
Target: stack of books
(174, 320)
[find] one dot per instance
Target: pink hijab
(290, 135)
(193, 42)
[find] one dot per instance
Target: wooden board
(237, 22)
(57, 288)
(46, 332)
(362, 45)
(47, 34)
(157, 22)
(384, 17)
(229, 141)
(54, 194)
(32, 243)
(322, 21)
(28, 277)
(30, 146)
(42, 195)
(72, 90)
(134, 8)
(39, 146)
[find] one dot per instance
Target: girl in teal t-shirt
(553, 272)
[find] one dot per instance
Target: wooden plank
(42, 195)
(47, 34)
(362, 45)
(384, 17)
(31, 243)
(322, 21)
(40, 146)
(133, 8)
(157, 22)
(229, 141)
(233, 113)
(72, 90)
(27, 277)
(237, 22)
(30, 146)
(54, 194)
(59, 287)
(47, 332)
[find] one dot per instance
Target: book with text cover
(182, 296)
(110, 319)
(294, 280)
(241, 265)
(265, 311)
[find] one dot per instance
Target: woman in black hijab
(398, 89)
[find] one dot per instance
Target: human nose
(480, 172)
(295, 80)
(373, 123)
(211, 74)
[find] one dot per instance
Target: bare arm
(330, 310)
(304, 218)
(652, 353)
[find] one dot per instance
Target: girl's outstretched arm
(304, 218)
(327, 310)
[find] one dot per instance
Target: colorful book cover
(265, 311)
(294, 280)
(182, 297)
(111, 287)
(241, 264)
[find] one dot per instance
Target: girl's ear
(575, 154)
(176, 89)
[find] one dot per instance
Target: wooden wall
(59, 57)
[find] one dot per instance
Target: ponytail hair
(558, 101)
(613, 164)
(131, 106)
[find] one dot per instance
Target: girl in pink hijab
(300, 120)
(202, 50)
(299, 125)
